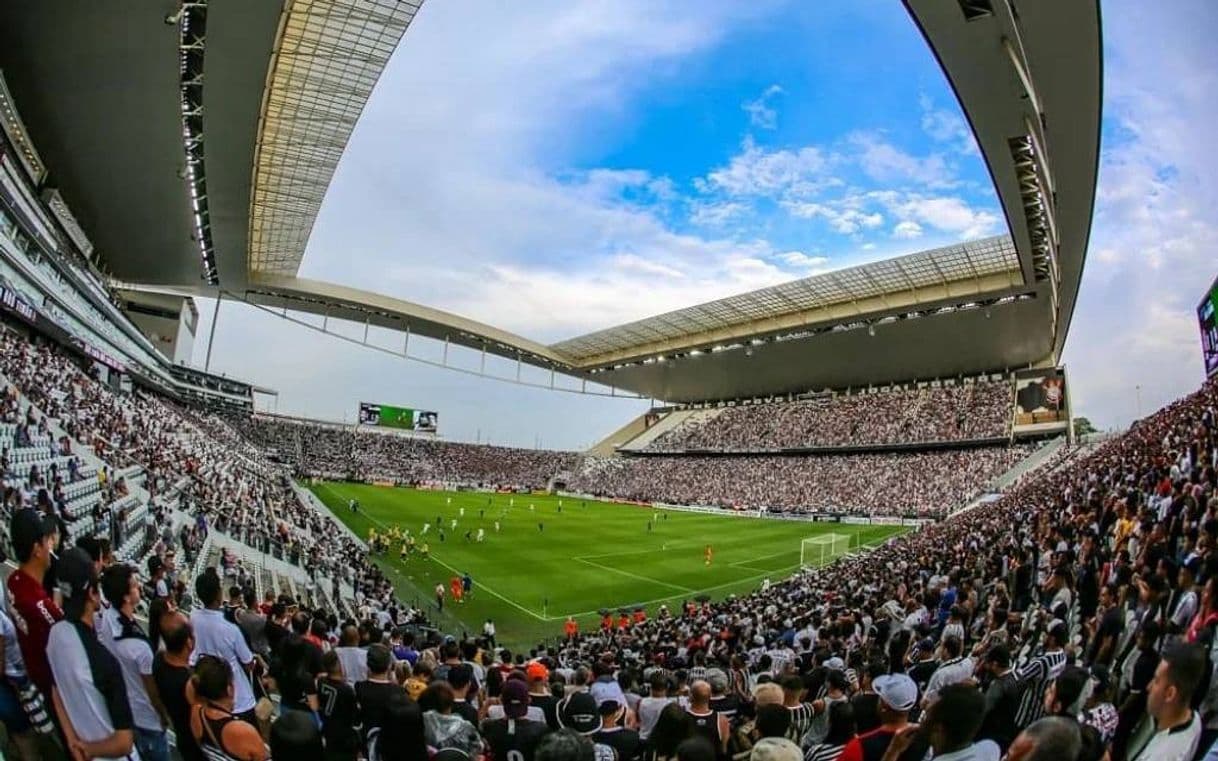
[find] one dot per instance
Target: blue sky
(558, 167)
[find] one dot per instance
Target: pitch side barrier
(854, 520)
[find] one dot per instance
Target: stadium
(855, 520)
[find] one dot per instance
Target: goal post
(819, 550)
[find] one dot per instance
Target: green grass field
(587, 557)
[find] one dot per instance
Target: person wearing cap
(624, 741)
(924, 664)
(90, 696)
(898, 696)
(949, 726)
(119, 632)
(34, 611)
(515, 732)
(578, 711)
(1186, 603)
(493, 707)
(540, 695)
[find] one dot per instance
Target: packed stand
(213, 474)
(331, 451)
(957, 413)
(1073, 619)
(899, 483)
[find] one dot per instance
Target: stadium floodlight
(817, 551)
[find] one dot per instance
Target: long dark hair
(673, 726)
(841, 723)
(401, 736)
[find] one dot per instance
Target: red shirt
(34, 612)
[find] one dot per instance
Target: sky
(558, 167)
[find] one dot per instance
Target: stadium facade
(132, 201)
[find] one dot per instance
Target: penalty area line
(634, 575)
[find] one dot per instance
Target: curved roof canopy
(195, 141)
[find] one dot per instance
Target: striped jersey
(1035, 676)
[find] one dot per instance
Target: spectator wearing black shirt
(926, 665)
(295, 669)
(1106, 627)
(339, 711)
(460, 678)
(514, 736)
(1002, 691)
(171, 672)
(375, 693)
(624, 741)
(540, 694)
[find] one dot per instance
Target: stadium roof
(195, 141)
(965, 270)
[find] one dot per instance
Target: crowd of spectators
(373, 455)
(897, 483)
(1074, 618)
(933, 414)
(196, 461)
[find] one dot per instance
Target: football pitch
(587, 555)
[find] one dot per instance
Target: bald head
(700, 693)
(175, 630)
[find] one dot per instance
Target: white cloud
(716, 213)
(800, 260)
(844, 220)
(756, 171)
(946, 126)
(907, 229)
(949, 214)
(1154, 235)
(886, 163)
(761, 114)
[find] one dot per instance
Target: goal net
(821, 549)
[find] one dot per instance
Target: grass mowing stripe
(481, 586)
(532, 573)
(635, 576)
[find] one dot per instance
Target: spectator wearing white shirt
(90, 695)
(215, 635)
(123, 637)
(354, 659)
(1177, 727)
(954, 668)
